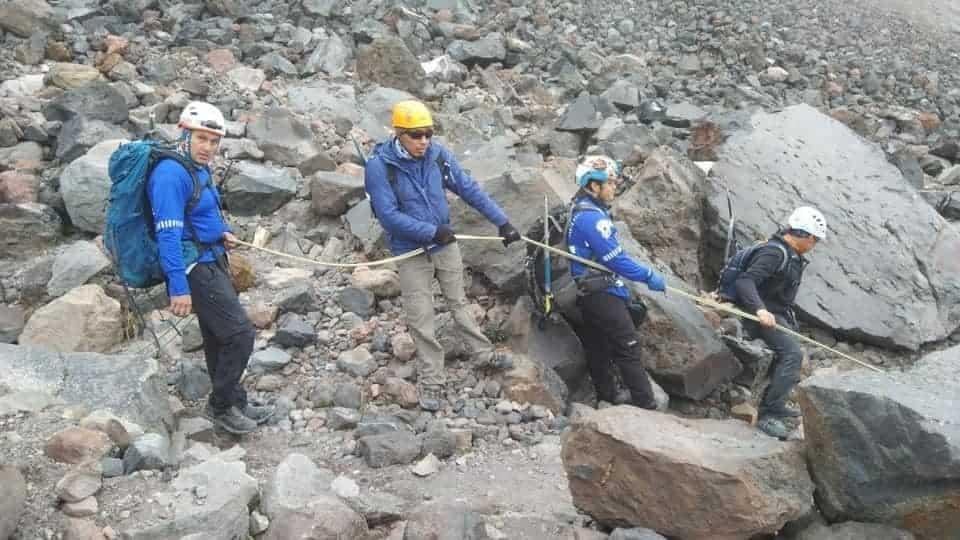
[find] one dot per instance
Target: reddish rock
(221, 60)
(18, 187)
(77, 445)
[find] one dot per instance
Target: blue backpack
(727, 287)
(129, 234)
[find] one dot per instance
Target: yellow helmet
(411, 114)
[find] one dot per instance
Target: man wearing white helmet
(192, 238)
(767, 287)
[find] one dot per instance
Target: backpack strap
(786, 256)
(194, 198)
(445, 174)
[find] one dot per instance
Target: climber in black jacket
(767, 288)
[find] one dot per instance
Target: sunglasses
(416, 135)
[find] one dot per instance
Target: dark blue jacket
(416, 204)
(170, 189)
(593, 236)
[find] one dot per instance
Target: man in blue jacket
(608, 332)
(192, 238)
(407, 178)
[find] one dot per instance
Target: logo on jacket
(605, 227)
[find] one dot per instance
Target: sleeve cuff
(177, 284)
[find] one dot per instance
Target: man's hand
(656, 282)
(444, 235)
(767, 320)
(182, 305)
(509, 233)
(229, 240)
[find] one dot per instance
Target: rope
(699, 299)
(381, 262)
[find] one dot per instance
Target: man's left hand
(509, 233)
(229, 240)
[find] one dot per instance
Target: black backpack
(740, 261)
(562, 287)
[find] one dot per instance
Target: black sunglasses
(420, 134)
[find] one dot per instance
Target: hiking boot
(233, 421)
(259, 413)
(773, 427)
(781, 411)
(430, 397)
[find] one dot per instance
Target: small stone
(403, 346)
(344, 487)
(745, 412)
(270, 383)
(777, 74)
(426, 466)
(77, 445)
(341, 418)
(82, 508)
(348, 395)
(78, 485)
(357, 362)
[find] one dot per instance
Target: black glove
(509, 234)
(444, 235)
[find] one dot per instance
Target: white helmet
(203, 116)
(597, 162)
(808, 219)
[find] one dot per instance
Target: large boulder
(520, 192)
(83, 320)
(284, 138)
(388, 62)
(28, 229)
(300, 504)
(80, 133)
(531, 381)
(486, 50)
(551, 342)
(683, 352)
(96, 101)
(132, 388)
(327, 101)
(258, 189)
(85, 186)
(886, 273)
(74, 265)
(25, 18)
(691, 479)
(885, 447)
(331, 193)
(209, 501)
(664, 211)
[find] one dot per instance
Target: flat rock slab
(132, 388)
(691, 479)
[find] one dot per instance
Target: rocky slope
(852, 106)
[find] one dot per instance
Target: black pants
(787, 360)
(609, 337)
(227, 333)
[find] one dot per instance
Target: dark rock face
(884, 447)
(883, 273)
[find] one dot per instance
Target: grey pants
(416, 285)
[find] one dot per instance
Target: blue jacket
(593, 236)
(170, 189)
(411, 210)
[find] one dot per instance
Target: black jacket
(761, 286)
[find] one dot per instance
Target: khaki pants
(416, 286)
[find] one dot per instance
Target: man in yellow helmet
(406, 178)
